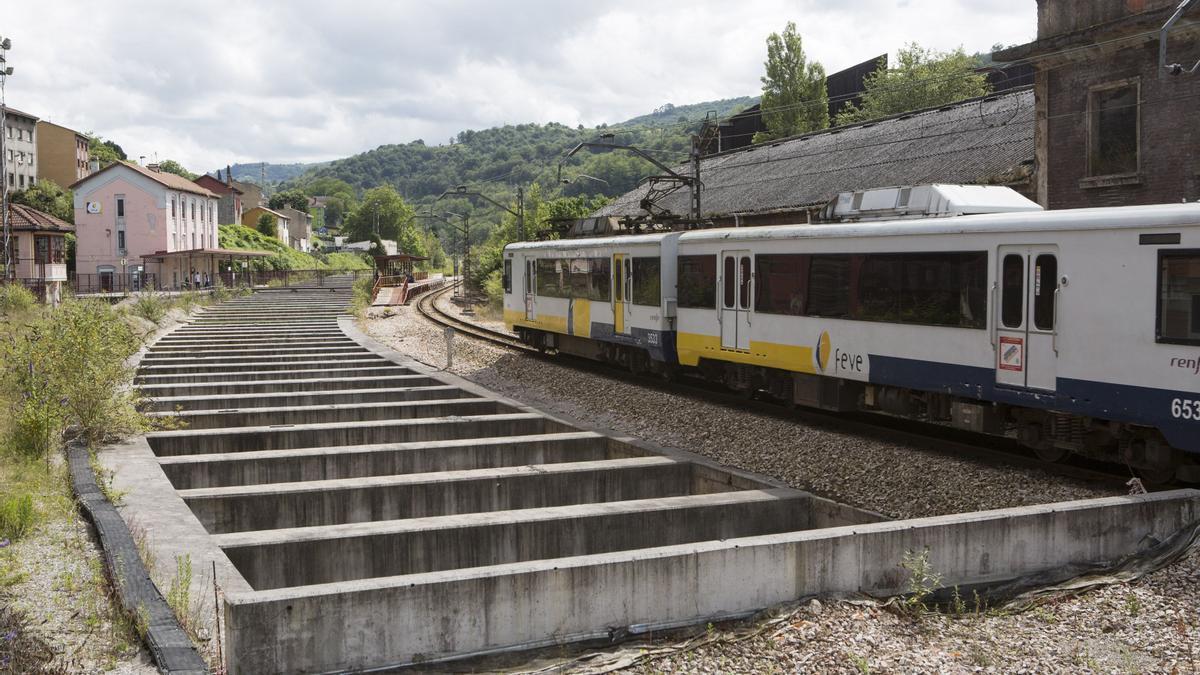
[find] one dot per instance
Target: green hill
(526, 153)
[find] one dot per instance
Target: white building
(20, 149)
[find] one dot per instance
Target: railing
(85, 284)
(308, 278)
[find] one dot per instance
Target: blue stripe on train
(660, 344)
(1117, 402)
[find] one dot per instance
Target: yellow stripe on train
(693, 346)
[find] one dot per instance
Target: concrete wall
(458, 612)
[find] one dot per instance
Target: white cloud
(306, 80)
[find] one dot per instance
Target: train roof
(1106, 218)
(615, 240)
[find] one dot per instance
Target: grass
(17, 516)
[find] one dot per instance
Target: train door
(736, 295)
(530, 287)
(1026, 317)
(620, 292)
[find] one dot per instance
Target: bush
(151, 307)
(16, 517)
(67, 368)
(15, 298)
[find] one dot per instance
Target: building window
(22, 180)
(1179, 297)
(121, 240)
(1113, 129)
(172, 207)
(193, 209)
(121, 207)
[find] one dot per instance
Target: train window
(508, 276)
(1179, 298)
(744, 277)
(698, 281)
(647, 281)
(551, 278)
(1012, 300)
(944, 289)
(829, 286)
(729, 282)
(879, 281)
(782, 283)
(1045, 282)
(600, 270)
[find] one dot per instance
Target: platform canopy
(396, 265)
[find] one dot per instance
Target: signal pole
(5, 71)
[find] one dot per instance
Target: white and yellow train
(1073, 331)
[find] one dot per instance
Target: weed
(104, 480)
(362, 296)
(861, 664)
(1132, 604)
(17, 516)
(923, 580)
(21, 650)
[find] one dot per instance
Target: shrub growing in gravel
(151, 307)
(16, 516)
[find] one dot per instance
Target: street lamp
(6, 243)
(462, 191)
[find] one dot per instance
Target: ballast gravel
(1149, 625)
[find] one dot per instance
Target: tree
(266, 225)
(921, 78)
(794, 98)
(46, 196)
(171, 166)
(106, 152)
(294, 198)
(384, 211)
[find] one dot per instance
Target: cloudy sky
(284, 81)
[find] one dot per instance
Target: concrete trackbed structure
(365, 511)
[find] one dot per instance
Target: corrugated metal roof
(970, 142)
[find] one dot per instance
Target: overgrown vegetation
(284, 257)
(15, 299)
(361, 299)
(21, 649)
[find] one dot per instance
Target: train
(1074, 332)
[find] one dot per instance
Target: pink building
(139, 227)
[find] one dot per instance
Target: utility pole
(696, 185)
(5, 71)
(462, 191)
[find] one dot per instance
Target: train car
(610, 299)
(1076, 331)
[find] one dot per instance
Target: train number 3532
(1185, 409)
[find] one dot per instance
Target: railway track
(924, 435)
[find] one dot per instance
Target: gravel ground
(1149, 625)
(63, 590)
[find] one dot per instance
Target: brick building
(1111, 127)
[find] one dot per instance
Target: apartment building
(62, 153)
(20, 149)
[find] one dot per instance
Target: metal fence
(124, 284)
